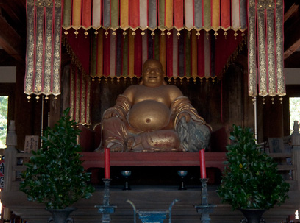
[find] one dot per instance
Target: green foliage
(250, 180)
(54, 175)
(3, 120)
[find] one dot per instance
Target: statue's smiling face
(152, 73)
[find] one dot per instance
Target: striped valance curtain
(155, 14)
(186, 55)
(111, 54)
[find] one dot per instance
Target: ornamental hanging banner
(155, 14)
(43, 56)
(265, 48)
(188, 55)
(80, 96)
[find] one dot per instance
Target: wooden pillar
(296, 153)
(10, 157)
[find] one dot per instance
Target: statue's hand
(110, 113)
(186, 115)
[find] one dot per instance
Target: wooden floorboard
(146, 198)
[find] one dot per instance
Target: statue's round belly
(149, 115)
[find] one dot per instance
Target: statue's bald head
(153, 62)
(152, 73)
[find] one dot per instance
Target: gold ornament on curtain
(42, 75)
(266, 32)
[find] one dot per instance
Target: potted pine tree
(54, 175)
(250, 180)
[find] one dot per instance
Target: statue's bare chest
(157, 94)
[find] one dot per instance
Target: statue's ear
(165, 83)
(141, 83)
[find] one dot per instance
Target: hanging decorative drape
(265, 48)
(155, 14)
(186, 55)
(42, 75)
(80, 96)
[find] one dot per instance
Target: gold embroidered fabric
(30, 48)
(262, 52)
(80, 96)
(39, 50)
(252, 50)
(48, 52)
(269, 52)
(57, 49)
(279, 48)
(43, 47)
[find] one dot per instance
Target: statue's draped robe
(179, 135)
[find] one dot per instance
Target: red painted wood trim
(96, 160)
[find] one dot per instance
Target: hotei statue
(153, 116)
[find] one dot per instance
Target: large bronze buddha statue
(153, 116)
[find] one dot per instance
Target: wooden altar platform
(212, 159)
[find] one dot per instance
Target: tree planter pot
(61, 215)
(253, 215)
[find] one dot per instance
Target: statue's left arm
(193, 131)
(182, 106)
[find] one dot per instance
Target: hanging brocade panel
(155, 14)
(80, 94)
(266, 45)
(42, 75)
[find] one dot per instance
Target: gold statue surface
(153, 116)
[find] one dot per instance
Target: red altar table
(212, 159)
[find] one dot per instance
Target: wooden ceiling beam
(292, 10)
(291, 30)
(11, 41)
(295, 46)
(16, 11)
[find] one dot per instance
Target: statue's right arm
(130, 92)
(120, 110)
